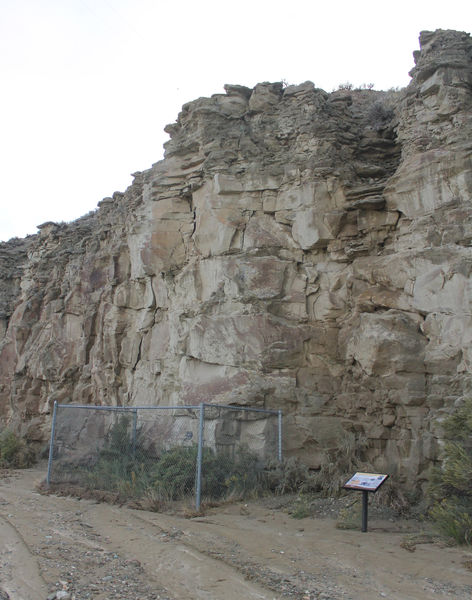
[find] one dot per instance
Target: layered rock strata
(295, 249)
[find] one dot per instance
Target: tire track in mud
(256, 552)
(50, 538)
(223, 552)
(189, 570)
(20, 576)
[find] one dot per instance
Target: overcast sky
(88, 85)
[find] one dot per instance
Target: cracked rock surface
(294, 249)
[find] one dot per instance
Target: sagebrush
(125, 467)
(450, 488)
(14, 452)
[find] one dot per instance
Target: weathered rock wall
(295, 249)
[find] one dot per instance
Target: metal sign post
(365, 505)
(365, 482)
(51, 443)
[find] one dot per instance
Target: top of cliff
(273, 124)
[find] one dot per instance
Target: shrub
(246, 474)
(222, 476)
(287, 476)
(450, 486)
(129, 470)
(347, 86)
(380, 114)
(339, 465)
(121, 467)
(454, 519)
(122, 474)
(118, 439)
(13, 451)
(174, 474)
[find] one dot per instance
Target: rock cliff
(295, 249)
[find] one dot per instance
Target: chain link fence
(166, 453)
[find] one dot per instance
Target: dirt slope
(86, 550)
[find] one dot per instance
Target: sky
(87, 86)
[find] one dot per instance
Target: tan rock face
(295, 249)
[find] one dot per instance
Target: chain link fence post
(51, 442)
(134, 432)
(198, 483)
(279, 436)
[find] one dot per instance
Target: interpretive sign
(369, 482)
(365, 482)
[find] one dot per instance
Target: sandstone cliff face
(295, 249)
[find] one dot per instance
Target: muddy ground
(62, 547)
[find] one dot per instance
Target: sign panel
(369, 482)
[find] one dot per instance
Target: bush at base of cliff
(222, 476)
(128, 469)
(13, 451)
(451, 484)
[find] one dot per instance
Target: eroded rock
(295, 249)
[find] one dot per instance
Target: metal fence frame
(134, 410)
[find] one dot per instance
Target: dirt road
(55, 547)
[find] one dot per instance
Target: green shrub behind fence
(169, 453)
